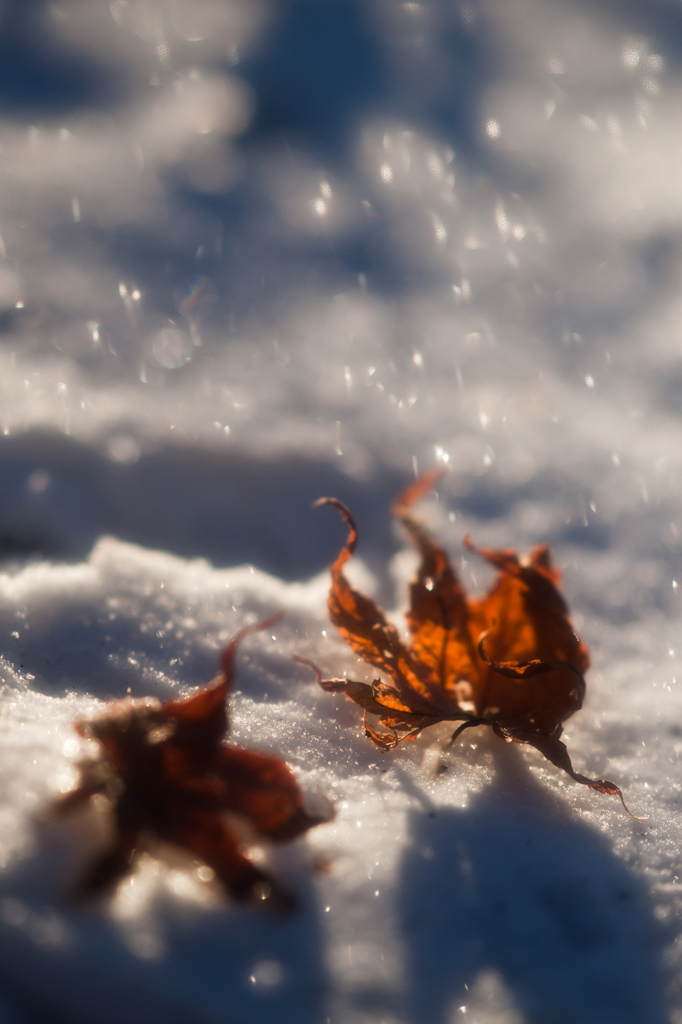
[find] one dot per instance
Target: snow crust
(252, 254)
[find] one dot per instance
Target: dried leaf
(510, 659)
(168, 776)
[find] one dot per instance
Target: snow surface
(252, 253)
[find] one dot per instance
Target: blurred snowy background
(257, 251)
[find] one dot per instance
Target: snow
(252, 254)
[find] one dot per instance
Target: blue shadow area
(58, 495)
(318, 72)
(40, 79)
(223, 963)
(517, 884)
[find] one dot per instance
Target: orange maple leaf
(510, 660)
(167, 775)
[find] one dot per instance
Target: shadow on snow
(517, 885)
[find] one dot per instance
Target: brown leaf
(168, 776)
(510, 659)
